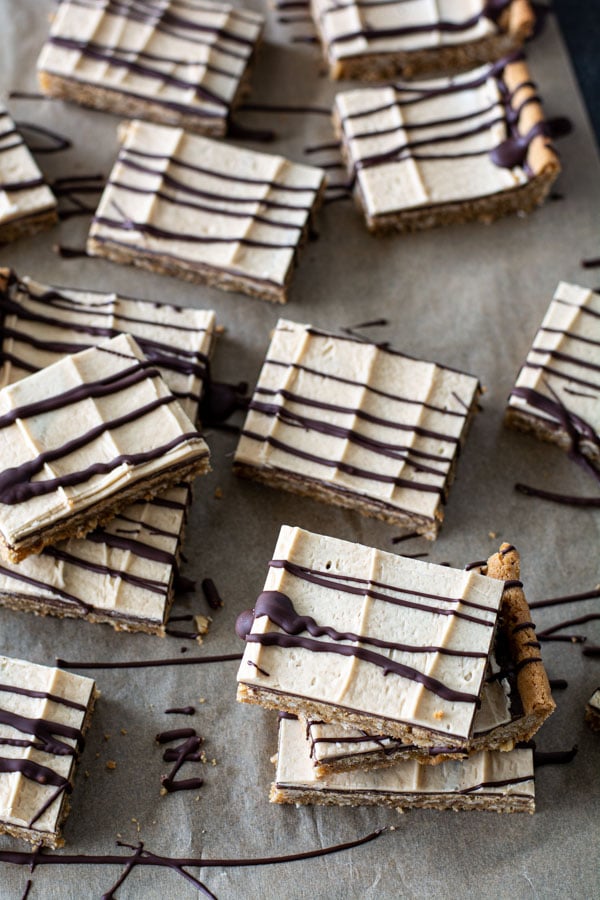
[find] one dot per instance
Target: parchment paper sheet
(468, 296)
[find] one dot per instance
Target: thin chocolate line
(148, 663)
(568, 598)
(340, 582)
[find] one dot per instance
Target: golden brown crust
(541, 156)
(551, 432)
(532, 680)
(200, 273)
(26, 226)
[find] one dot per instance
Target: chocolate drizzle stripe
(28, 858)
(490, 11)
(148, 663)
(340, 582)
(216, 174)
(16, 486)
(275, 638)
(279, 609)
(39, 695)
(392, 451)
(329, 376)
(342, 466)
(188, 237)
(131, 60)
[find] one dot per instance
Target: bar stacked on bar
(357, 424)
(44, 715)
(27, 205)
(125, 572)
(426, 672)
(181, 63)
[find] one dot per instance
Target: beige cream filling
(25, 439)
(357, 684)
(20, 797)
(194, 59)
(412, 182)
(373, 370)
(218, 238)
(568, 314)
(295, 769)
(17, 165)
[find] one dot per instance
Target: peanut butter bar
(357, 636)
(180, 63)
(82, 439)
(27, 205)
(415, 38)
(557, 394)
(42, 323)
(515, 700)
(123, 574)
(450, 150)
(44, 715)
(358, 425)
(204, 211)
(499, 782)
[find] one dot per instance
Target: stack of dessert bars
(398, 682)
(99, 396)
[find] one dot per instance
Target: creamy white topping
(22, 798)
(379, 596)
(430, 140)
(205, 203)
(22, 192)
(563, 364)
(383, 426)
(487, 772)
(190, 56)
(31, 435)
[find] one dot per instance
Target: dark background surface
(580, 24)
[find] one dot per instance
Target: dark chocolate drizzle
(224, 44)
(143, 857)
(147, 663)
(47, 734)
(554, 757)
(181, 710)
(280, 610)
(510, 153)
(211, 594)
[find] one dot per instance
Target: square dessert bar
(357, 425)
(82, 439)
(427, 153)
(44, 714)
(490, 780)
(515, 700)
(356, 636)
(124, 574)
(207, 212)
(27, 205)
(380, 40)
(178, 62)
(42, 323)
(557, 394)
